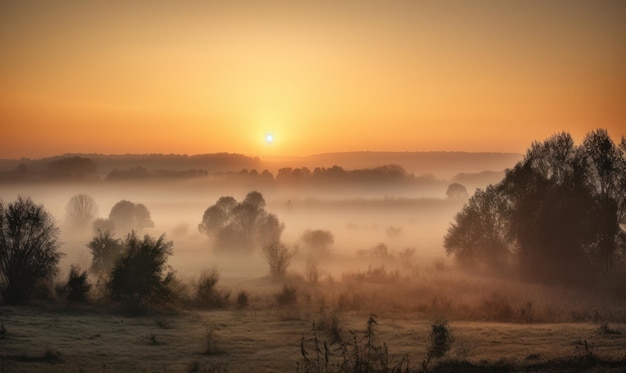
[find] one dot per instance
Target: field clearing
(87, 339)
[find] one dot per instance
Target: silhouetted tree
(127, 216)
(28, 248)
(559, 213)
(139, 278)
(456, 192)
(81, 210)
(105, 249)
(240, 225)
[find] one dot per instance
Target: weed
(362, 354)
(440, 342)
(583, 350)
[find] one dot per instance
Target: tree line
(132, 270)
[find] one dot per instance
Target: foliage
(105, 250)
(278, 256)
(241, 225)
(28, 248)
(139, 277)
(127, 216)
(318, 240)
(81, 210)
(456, 192)
(557, 214)
(205, 293)
(77, 286)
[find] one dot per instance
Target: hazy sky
(216, 76)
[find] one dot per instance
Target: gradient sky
(322, 76)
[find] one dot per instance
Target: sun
(269, 138)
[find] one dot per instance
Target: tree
(105, 249)
(28, 248)
(81, 210)
(478, 234)
(318, 240)
(607, 178)
(559, 213)
(240, 225)
(456, 192)
(278, 256)
(127, 216)
(217, 216)
(139, 277)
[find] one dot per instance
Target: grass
(259, 341)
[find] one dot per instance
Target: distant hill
(105, 163)
(441, 164)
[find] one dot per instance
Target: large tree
(560, 212)
(241, 225)
(28, 248)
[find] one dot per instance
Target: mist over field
(243, 254)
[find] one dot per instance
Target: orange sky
(191, 77)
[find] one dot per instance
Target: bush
(138, 279)
(206, 296)
(288, 296)
(242, 299)
(28, 249)
(77, 286)
(278, 257)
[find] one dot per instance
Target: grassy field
(80, 338)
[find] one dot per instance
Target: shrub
(242, 299)
(138, 279)
(206, 295)
(278, 257)
(77, 286)
(288, 296)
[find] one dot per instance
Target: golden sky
(321, 76)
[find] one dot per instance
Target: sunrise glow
(360, 75)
